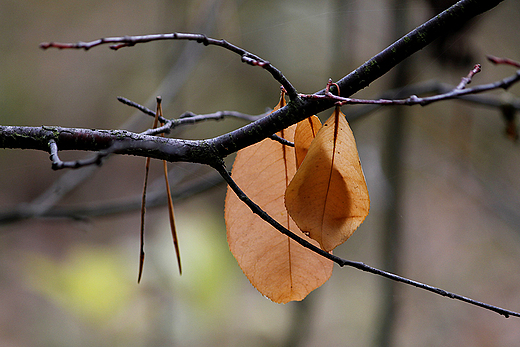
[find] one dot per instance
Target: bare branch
(125, 142)
(467, 80)
(192, 118)
(129, 41)
(506, 61)
(283, 141)
(457, 92)
(431, 87)
(57, 164)
(299, 109)
(140, 107)
(412, 42)
(343, 262)
(187, 117)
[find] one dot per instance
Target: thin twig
(58, 164)
(140, 107)
(343, 262)
(467, 80)
(415, 100)
(506, 61)
(189, 117)
(430, 87)
(283, 141)
(128, 41)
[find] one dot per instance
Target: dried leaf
(277, 266)
(328, 196)
(306, 131)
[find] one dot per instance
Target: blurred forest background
(443, 179)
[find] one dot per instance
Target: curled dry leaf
(277, 266)
(328, 196)
(306, 131)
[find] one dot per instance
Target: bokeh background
(443, 179)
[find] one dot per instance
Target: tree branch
(456, 92)
(197, 151)
(129, 41)
(190, 117)
(377, 66)
(415, 40)
(212, 151)
(343, 262)
(299, 109)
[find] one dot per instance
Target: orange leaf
(277, 266)
(328, 196)
(306, 131)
